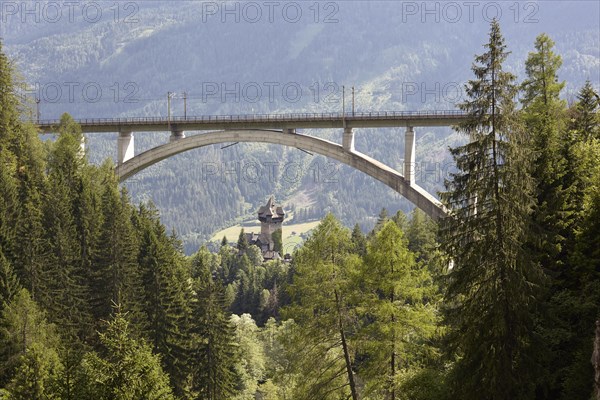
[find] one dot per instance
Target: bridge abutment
(348, 139)
(409, 155)
(126, 150)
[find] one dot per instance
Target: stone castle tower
(271, 217)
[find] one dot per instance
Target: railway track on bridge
(267, 121)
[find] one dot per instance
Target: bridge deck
(267, 121)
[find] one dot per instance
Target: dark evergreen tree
(242, 243)
(125, 369)
(381, 220)
(21, 182)
(9, 205)
(167, 296)
(359, 241)
(492, 287)
(10, 124)
(421, 232)
(586, 123)
(117, 276)
(64, 284)
(214, 354)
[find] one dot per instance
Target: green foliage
(117, 274)
(321, 308)
(563, 168)
(421, 232)
(166, 296)
(392, 300)
(586, 123)
(492, 288)
(242, 243)
(214, 354)
(10, 126)
(38, 375)
(251, 365)
(9, 283)
(544, 115)
(359, 241)
(127, 370)
(422, 384)
(28, 345)
(277, 237)
(381, 220)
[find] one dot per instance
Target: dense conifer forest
(498, 300)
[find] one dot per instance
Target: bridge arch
(383, 173)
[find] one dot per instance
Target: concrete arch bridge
(278, 129)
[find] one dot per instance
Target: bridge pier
(176, 135)
(409, 155)
(348, 139)
(125, 147)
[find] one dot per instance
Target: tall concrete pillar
(348, 139)
(176, 135)
(409, 155)
(126, 147)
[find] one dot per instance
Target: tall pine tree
(492, 287)
(214, 353)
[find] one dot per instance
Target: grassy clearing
(291, 233)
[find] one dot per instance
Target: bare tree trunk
(347, 359)
(596, 362)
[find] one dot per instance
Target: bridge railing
(291, 117)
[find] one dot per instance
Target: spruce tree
(116, 275)
(214, 355)
(492, 286)
(421, 232)
(125, 369)
(9, 204)
(586, 123)
(382, 218)
(359, 241)
(64, 289)
(277, 237)
(167, 296)
(242, 243)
